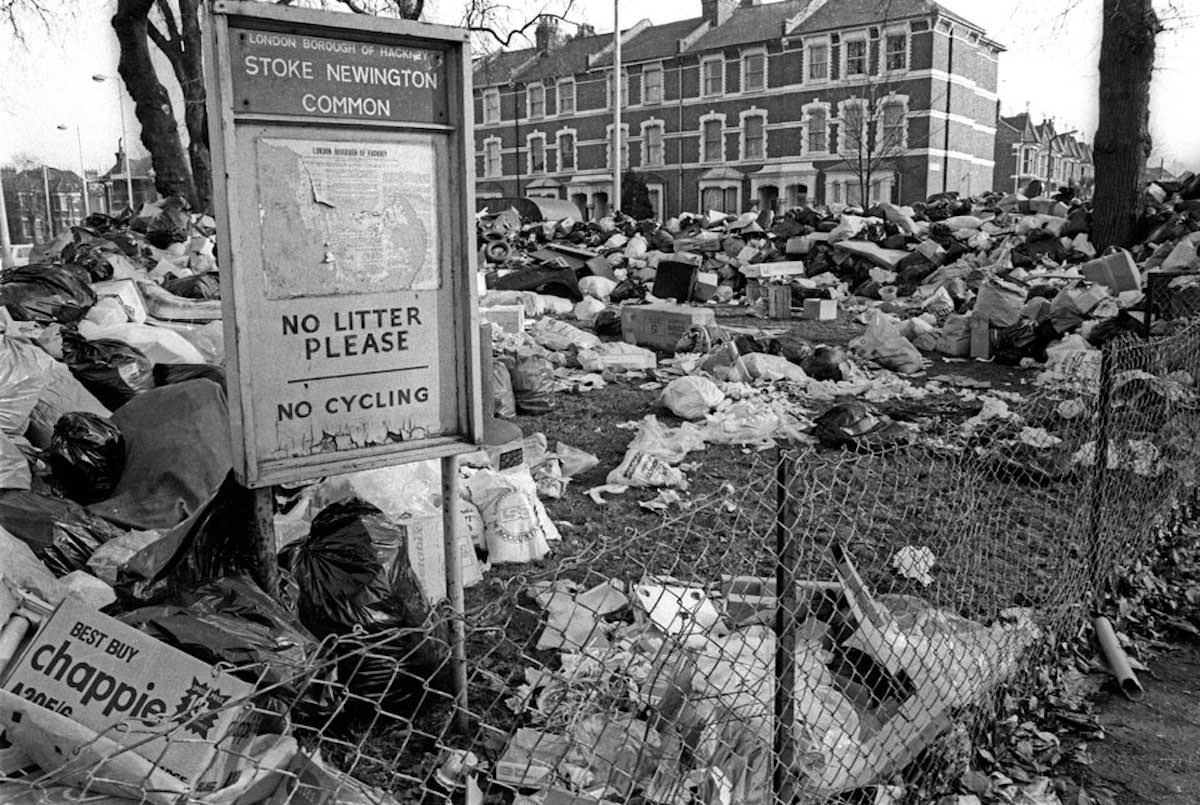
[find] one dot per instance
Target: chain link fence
(836, 629)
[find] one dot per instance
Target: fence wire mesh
(836, 627)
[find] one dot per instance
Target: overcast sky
(1050, 64)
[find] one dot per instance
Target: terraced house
(749, 104)
(1026, 151)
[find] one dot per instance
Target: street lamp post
(101, 77)
(49, 214)
(87, 207)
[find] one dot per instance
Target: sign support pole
(452, 531)
(264, 540)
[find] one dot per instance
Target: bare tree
(873, 134)
(173, 28)
(1123, 135)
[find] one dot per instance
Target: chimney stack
(546, 34)
(715, 12)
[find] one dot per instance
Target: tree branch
(164, 8)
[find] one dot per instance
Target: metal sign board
(343, 186)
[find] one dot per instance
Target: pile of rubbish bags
(688, 674)
(993, 277)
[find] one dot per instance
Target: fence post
(1099, 468)
(457, 631)
(786, 565)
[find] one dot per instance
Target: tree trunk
(195, 113)
(152, 104)
(1123, 135)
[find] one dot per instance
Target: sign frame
(456, 259)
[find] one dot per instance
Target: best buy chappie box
(180, 713)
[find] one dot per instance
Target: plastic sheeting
(158, 489)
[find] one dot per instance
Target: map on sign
(348, 218)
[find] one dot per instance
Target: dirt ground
(1151, 752)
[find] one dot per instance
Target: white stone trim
(558, 88)
(608, 140)
(806, 115)
(529, 138)
(645, 142)
(499, 157)
(844, 52)
(654, 66)
(719, 60)
(529, 88)
(708, 118)
(574, 135)
(492, 92)
(753, 111)
(759, 50)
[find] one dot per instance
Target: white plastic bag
(515, 524)
(160, 344)
(645, 470)
(883, 344)
(597, 287)
(691, 397)
(560, 336)
(762, 366)
(670, 444)
(24, 374)
(587, 310)
(745, 422)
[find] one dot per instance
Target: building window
(818, 62)
(713, 71)
(896, 52)
(753, 142)
(652, 144)
(566, 151)
(535, 101)
(714, 141)
(892, 120)
(624, 145)
(566, 96)
(491, 157)
(1027, 161)
(818, 131)
(652, 84)
(537, 153)
(608, 88)
(754, 71)
(852, 128)
(491, 106)
(720, 198)
(856, 57)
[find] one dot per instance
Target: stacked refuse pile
(662, 692)
(996, 276)
(139, 658)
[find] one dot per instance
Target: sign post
(343, 172)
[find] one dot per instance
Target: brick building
(747, 104)
(25, 195)
(1025, 151)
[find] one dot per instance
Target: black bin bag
(87, 455)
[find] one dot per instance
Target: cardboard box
(426, 543)
(509, 318)
(981, 339)
(706, 285)
(660, 326)
(102, 673)
(779, 301)
(820, 309)
(797, 245)
(787, 268)
(1117, 271)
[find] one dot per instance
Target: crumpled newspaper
(915, 563)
